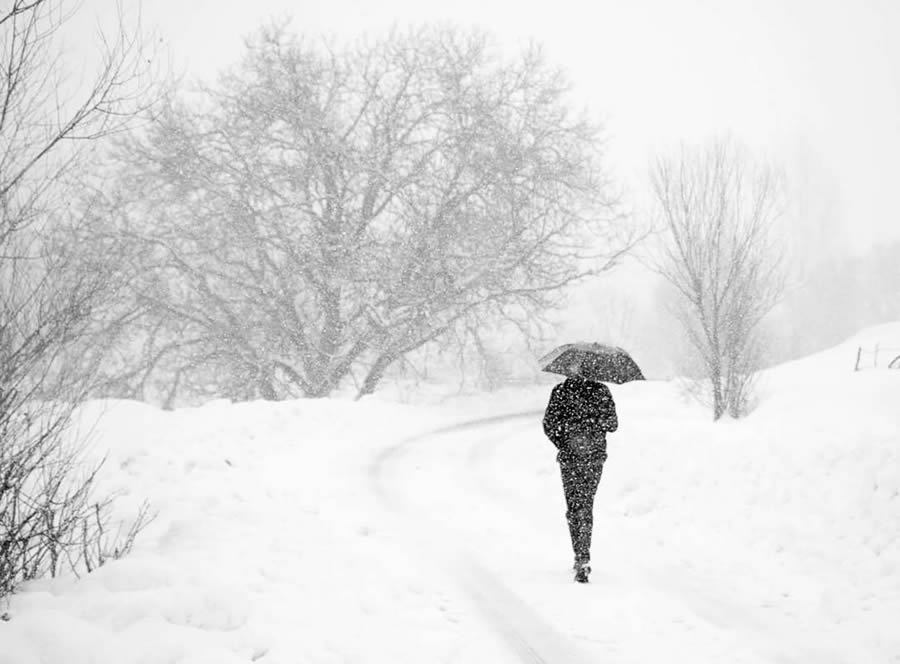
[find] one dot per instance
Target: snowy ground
(337, 531)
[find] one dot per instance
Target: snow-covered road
(397, 474)
(484, 501)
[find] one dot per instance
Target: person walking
(578, 416)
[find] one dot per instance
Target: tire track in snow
(528, 636)
(402, 447)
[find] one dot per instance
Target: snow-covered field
(376, 531)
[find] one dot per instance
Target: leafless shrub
(48, 294)
(50, 519)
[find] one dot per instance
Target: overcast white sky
(814, 83)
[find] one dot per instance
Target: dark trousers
(580, 478)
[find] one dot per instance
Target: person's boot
(582, 572)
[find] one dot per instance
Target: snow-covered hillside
(375, 531)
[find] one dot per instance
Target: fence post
(858, 353)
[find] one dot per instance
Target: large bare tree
(321, 212)
(49, 129)
(718, 207)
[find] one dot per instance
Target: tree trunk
(376, 373)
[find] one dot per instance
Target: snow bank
(273, 545)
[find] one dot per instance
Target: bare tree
(49, 130)
(718, 207)
(323, 212)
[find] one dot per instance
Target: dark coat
(580, 408)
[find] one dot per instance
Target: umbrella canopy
(592, 361)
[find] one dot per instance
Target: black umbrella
(592, 361)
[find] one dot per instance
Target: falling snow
(336, 530)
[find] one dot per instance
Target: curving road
(497, 527)
(531, 638)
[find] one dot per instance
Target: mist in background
(812, 87)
